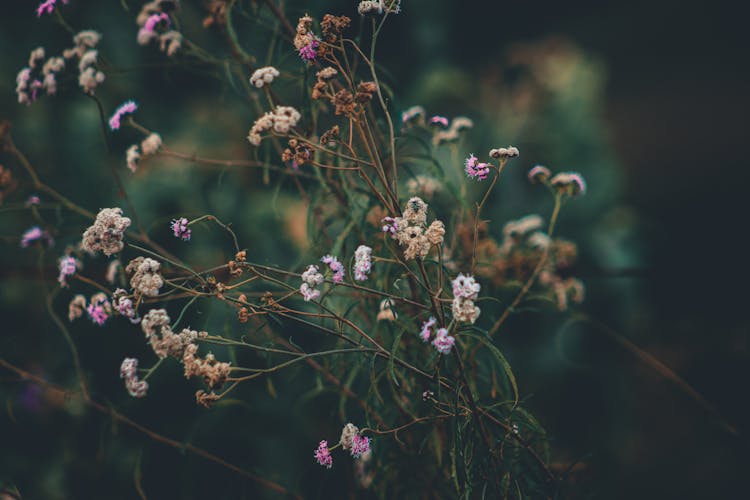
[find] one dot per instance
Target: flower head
(439, 120)
(443, 342)
(539, 173)
(47, 7)
(128, 371)
(336, 267)
(504, 153)
(475, 169)
(310, 51)
(571, 183)
(126, 108)
(35, 233)
(99, 309)
(362, 262)
(323, 455)
(68, 266)
(426, 332)
(360, 445)
(180, 229)
(263, 76)
(465, 287)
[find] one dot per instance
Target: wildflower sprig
(387, 281)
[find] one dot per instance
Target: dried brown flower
(332, 26)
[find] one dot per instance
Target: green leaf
(484, 339)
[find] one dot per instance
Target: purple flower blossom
(68, 266)
(443, 342)
(310, 51)
(47, 7)
(465, 287)
(476, 170)
(426, 332)
(360, 445)
(35, 233)
(336, 267)
(323, 455)
(180, 228)
(124, 306)
(128, 107)
(439, 120)
(390, 225)
(99, 309)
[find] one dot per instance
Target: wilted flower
(107, 232)
(504, 153)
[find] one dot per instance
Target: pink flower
(390, 225)
(465, 287)
(35, 233)
(98, 309)
(476, 170)
(360, 445)
(539, 173)
(310, 51)
(155, 19)
(128, 107)
(443, 342)
(336, 267)
(426, 332)
(439, 120)
(323, 455)
(180, 229)
(68, 266)
(47, 7)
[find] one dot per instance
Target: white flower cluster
(146, 279)
(465, 292)
(107, 232)
(281, 120)
(311, 278)
(263, 76)
(149, 146)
